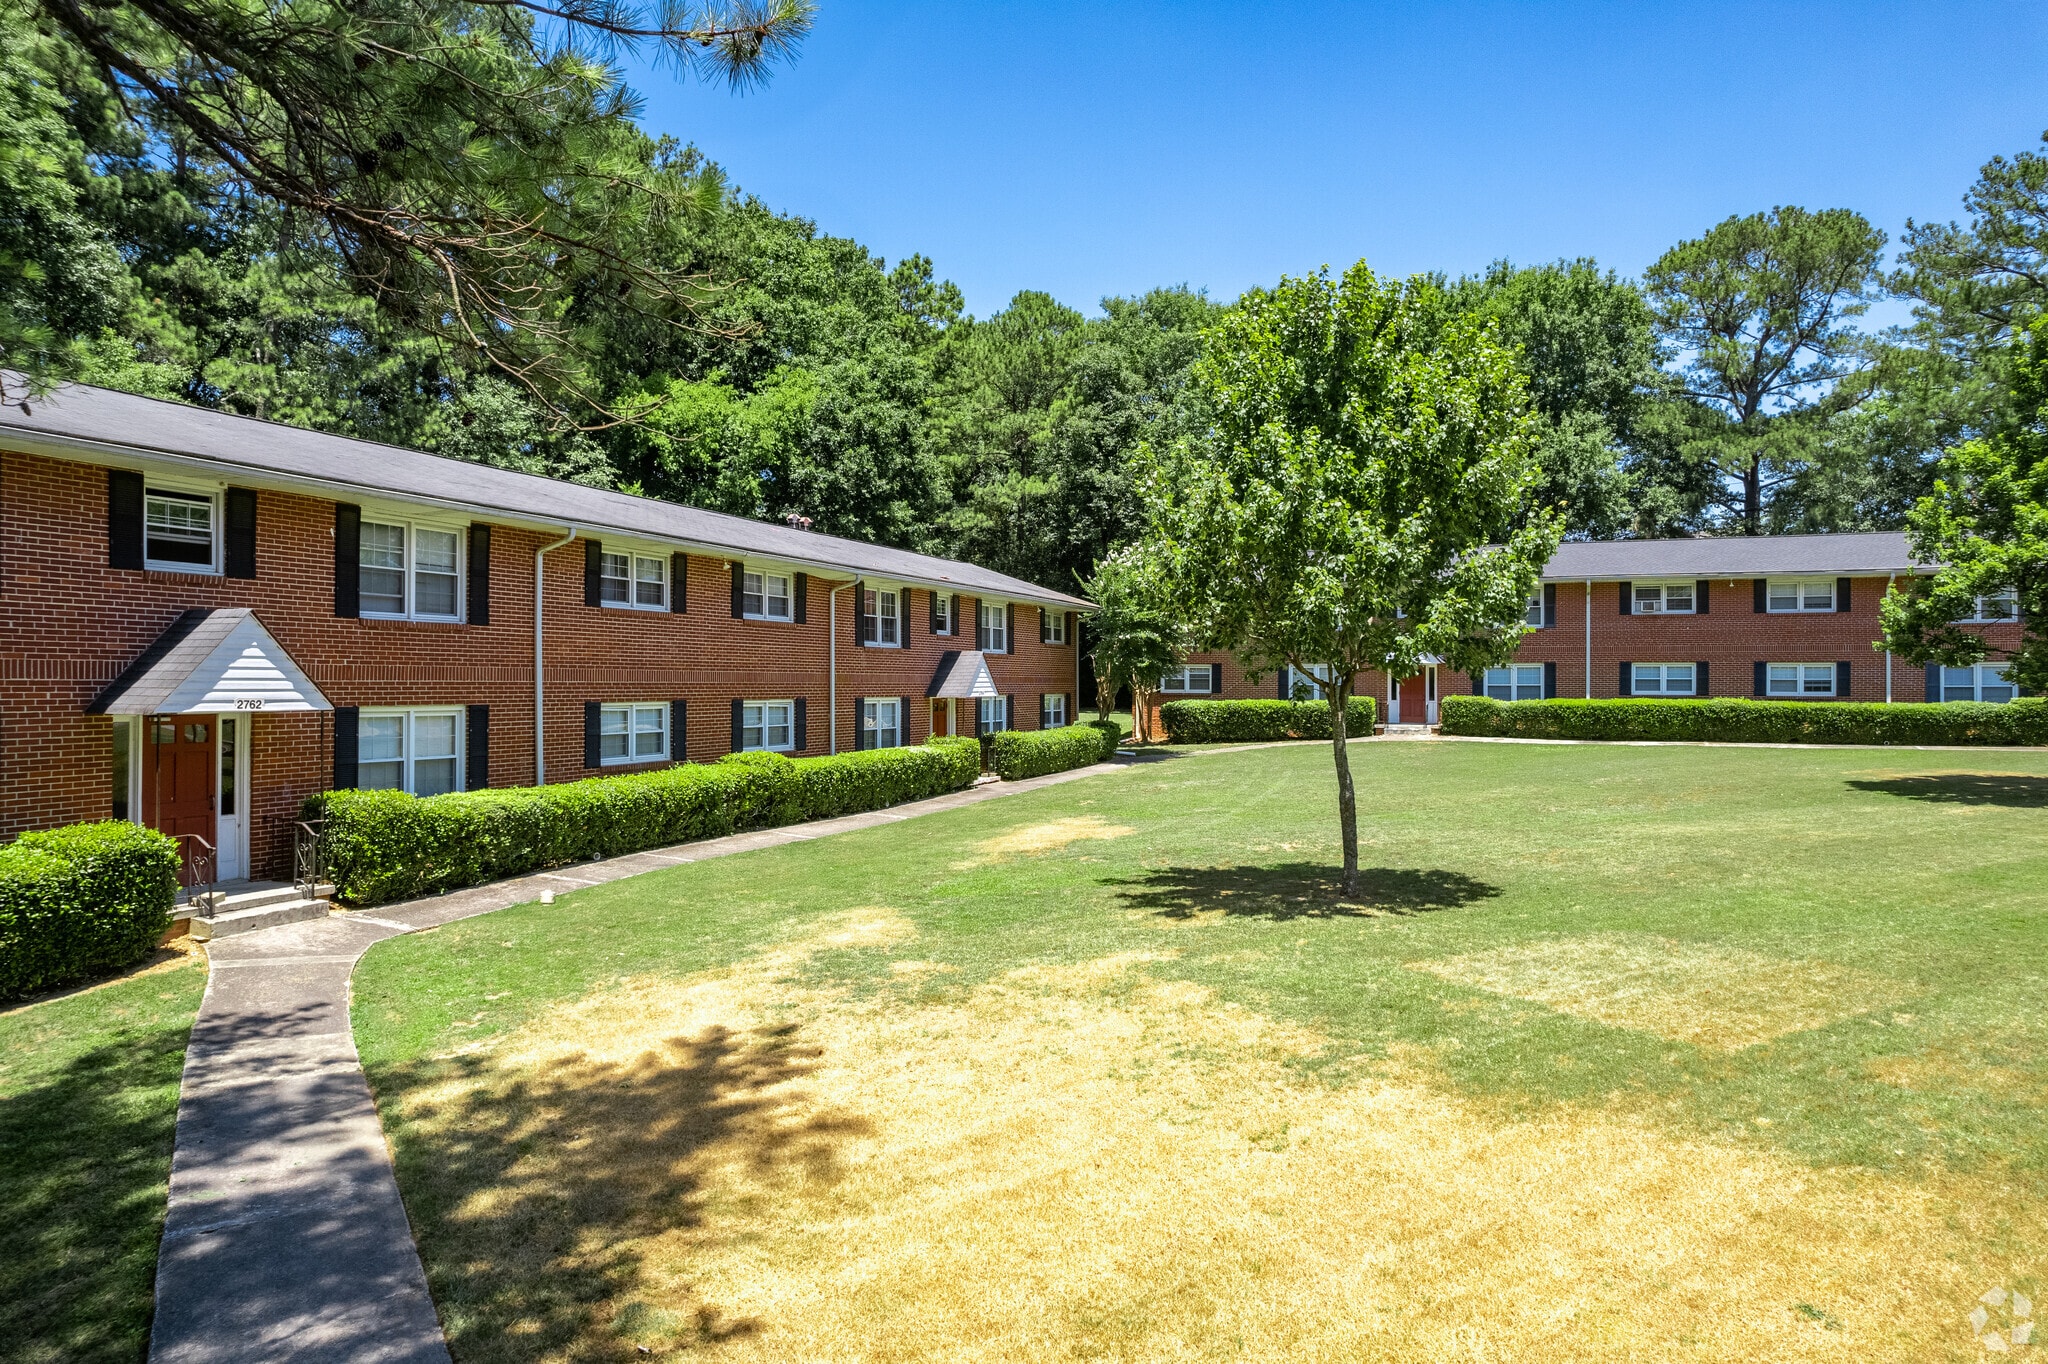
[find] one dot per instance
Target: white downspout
(1589, 639)
(832, 664)
(540, 715)
(1889, 582)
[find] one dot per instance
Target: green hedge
(1238, 722)
(379, 846)
(1016, 754)
(1739, 721)
(82, 901)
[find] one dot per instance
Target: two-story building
(211, 617)
(1783, 617)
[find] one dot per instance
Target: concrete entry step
(244, 907)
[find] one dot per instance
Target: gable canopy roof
(962, 674)
(1864, 554)
(77, 421)
(207, 662)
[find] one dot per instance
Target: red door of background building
(942, 718)
(177, 779)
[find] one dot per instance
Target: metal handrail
(197, 866)
(306, 866)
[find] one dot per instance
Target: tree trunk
(1141, 728)
(1339, 693)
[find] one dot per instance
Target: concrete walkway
(286, 1238)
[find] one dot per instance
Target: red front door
(942, 719)
(177, 777)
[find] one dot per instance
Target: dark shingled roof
(76, 417)
(1866, 554)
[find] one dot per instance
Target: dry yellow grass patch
(1720, 997)
(1089, 1162)
(1042, 838)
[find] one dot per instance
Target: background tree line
(612, 311)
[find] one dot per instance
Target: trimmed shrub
(1241, 722)
(1113, 736)
(379, 846)
(1740, 721)
(1016, 754)
(82, 901)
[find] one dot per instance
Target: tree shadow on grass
(1965, 788)
(536, 1191)
(1298, 890)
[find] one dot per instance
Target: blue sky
(1106, 148)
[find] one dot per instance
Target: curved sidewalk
(286, 1238)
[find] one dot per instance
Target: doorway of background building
(1412, 701)
(942, 718)
(195, 774)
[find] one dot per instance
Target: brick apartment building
(1786, 617)
(211, 617)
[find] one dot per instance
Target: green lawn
(1628, 1053)
(88, 1107)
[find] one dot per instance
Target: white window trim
(764, 574)
(1977, 673)
(1180, 674)
(630, 758)
(1979, 618)
(1046, 702)
(633, 554)
(872, 705)
(1000, 702)
(1800, 585)
(789, 706)
(412, 566)
(1664, 586)
(1800, 692)
(411, 749)
(1055, 625)
(1635, 687)
(1002, 618)
(1532, 613)
(942, 612)
(896, 619)
(1514, 683)
(213, 568)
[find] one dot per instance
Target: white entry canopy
(962, 675)
(211, 661)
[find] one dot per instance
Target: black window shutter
(678, 730)
(1549, 605)
(1700, 686)
(1010, 628)
(903, 615)
(124, 519)
(476, 735)
(593, 572)
(802, 739)
(1699, 596)
(1286, 683)
(240, 559)
(1628, 598)
(593, 734)
(1478, 681)
(860, 613)
(1074, 628)
(346, 719)
(1215, 682)
(1044, 626)
(348, 560)
(934, 622)
(1842, 586)
(953, 620)
(1842, 681)
(678, 583)
(739, 597)
(800, 585)
(1759, 683)
(479, 574)
(1628, 680)
(1010, 713)
(1934, 681)
(903, 722)
(1762, 602)
(739, 726)
(1549, 682)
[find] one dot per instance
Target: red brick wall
(75, 624)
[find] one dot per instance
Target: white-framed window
(1799, 679)
(1055, 626)
(764, 595)
(881, 722)
(942, 613)
(1309, 684)
(1787, 595)
(1532, 614)
(410, 750)
(635, 732)
(1189, 677)
(995, 627)
(180, 531)
(1999, 606)
(768, 725)
(410, 572)
(1983, 682)
(639, 581)
(1663, 679)
(1052, 710)
(1516, 682)
(993, 713)
(1660, 599)
(881, 621)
